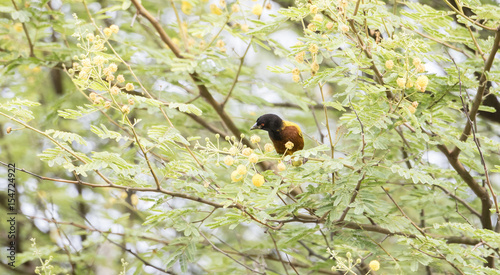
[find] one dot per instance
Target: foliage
(140, 113)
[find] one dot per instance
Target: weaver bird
(280, 132)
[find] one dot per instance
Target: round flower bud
(120, 78)
(114, 90)
(313, 48)
(412, 109)
(215, 10)
(247, 152)
(253, 158)
(228, 160)
(110, 77)
(90, 37)
(241, 169)
(108, 32)
(186, 7)
(344, 28)
(258, 180)
(269, 6)
(295, 71)
(255, 139)
(268, 147)
(300, 57)
(220, 43)
(389, 64)
(244, 27)
(107, 105)
(422, 82)
(401, 82)
(374, 265)
(235, 8)
(314, 66)
(126, 109)
(257, 9)
(233, 150)
(92, 95)
(131, 101)
(289, 145)
(235, 176)
(114, 28)
(222, 3)
(281, 166)
(129, 87)
(8, 130)
(296, 78)
(416, 62)
(329, 25)
(313, 9)
(112, 67)
(318, 17)
(414, 104)
(421, 68)
(312, 27)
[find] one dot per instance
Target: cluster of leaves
(403, 82)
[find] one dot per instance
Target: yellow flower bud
(268, 147)
(289, 145)
(131, 101)
(401, 82)
(313, 48)
(134, 200)
(247, 152)
(318, 17)
(108, 32)
(421, 68)
(235, 8)
(228, 160)
(114, 90)
(389, 64)
(312, 27)
(233, 150)
(300, 57)
(253, 158)
(120, 79)
(314, 66)
(296, 78)
(235, 176)
(255, 139)
(215, 10)
(412, 109)
(241, 169)
(344, 28)
(414, 104)
(422, 82)
(295, 71)
(8, 130)
(257, 9)
(244, 27)
(258, 180)
(129, 87)
(416, 62)
(329, 25)
(281, 166)
(313, 9)
(126, 109)
(374, 265)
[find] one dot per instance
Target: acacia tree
(140, 113)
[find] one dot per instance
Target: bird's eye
(262, 124)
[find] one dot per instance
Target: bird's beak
(256, 126)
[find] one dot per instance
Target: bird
(280, 132)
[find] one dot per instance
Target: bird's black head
(268, 122)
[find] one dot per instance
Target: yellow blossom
(253, 158)
(414, 104)
(114, 28)
(300, 57)
(374, 265)
(421, 68)
(269, 6)
(215, 10)
(18, 27)
(228, 160)
(257, 10)
(247, 152)
(401, 82)
(416, 61)
(131, 101)
(313, 48)
(186, 7)
(318, 17)
(86, 62)
(329, 25)
(281, 166)
(422, 82)
(107, 104)
(244, 27)
(389, 64)
(8, 130)
(289, 145)
(114, 90)
(233, 150)
(126, 109)
(235, 8)
(129, 87)
(412, 109)
(110, 77)
(296, 78)
(295, 71)
(344, 28)
(99, 60)
(258, 180)
(220, 43)
(241, 169)
(235, 176)
(90, 37)
(112, 67)
(120, 78)
(312, 27)
(268, 147)
(315, 66)
(313, 9)
(108, 32)
(255, 139)
(92, 95)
